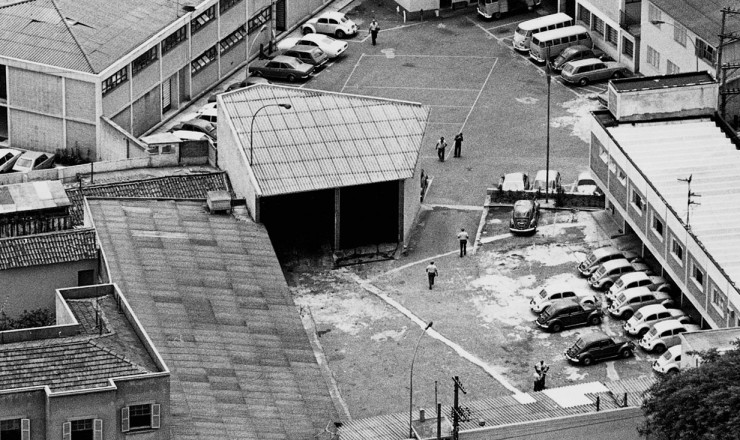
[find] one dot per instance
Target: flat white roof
(670, 150)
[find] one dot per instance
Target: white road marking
(483, 29)
(458, 207)
(446, 89)
(611, 372)
(352, 72)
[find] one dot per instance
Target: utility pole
(548, 74)
(724, 40)
(689, 202)
(456, 413)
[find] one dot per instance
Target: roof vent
(219, 200)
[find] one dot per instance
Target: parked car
(8, 157)
(282, 67)
(590, 70)
(597, 346)
(669, 362)
(514, 182)
(333, 48)
(208, 115)
(611, 270)
(250, 81)
(664, 335)
(200, 125)
(600, 256)
(33, 160)
(646, 316)
(568, 313)
(542, 175)
(524, 216)
(556, 292)
(574, 53)
(637, 279)
(631, 300)
(585, 184)
(330, 23)
(188, 135)
(308, 54)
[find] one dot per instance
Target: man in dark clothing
(432, 272)
(441, 145)
(374, 29)
(458, 144)
(463, 237)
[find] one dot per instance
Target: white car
(645, 317)
(552, 175)
(330, 46)
(664, 335)
(585, 184)
(208, 114)
(514, 182)
(8, 157)
(330, 23)
(556, 292)
(669, 362)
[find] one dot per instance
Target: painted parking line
(403, 26)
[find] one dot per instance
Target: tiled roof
(211, 294)
(56, 247)
(81, 34)
(186, 186)
(32, 196)
(325, 140)
(702, 17)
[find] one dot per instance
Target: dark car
(199, 125)
(598, 346)
(282, 67)
(569, 313)
(250, 81)
(573, 53)
(524, 216)
(308, 54)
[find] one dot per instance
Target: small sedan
(199, 125)
(330, 23)
(597, 346)
(33, 160)
(524, 216)
(554, 180)
(8, 157)
(282, 67)
(585, 184)
(250, 81)
(514, 182)
(582, 72)
(333, 48)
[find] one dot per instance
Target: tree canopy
(697, 403)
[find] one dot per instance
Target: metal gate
(280, 16)
(167, 95)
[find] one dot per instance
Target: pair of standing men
(442, 145)
(431, 269)
(540, 374)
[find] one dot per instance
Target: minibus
(549, 44)
(525, 30)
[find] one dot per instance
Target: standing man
(374, 29)
(431, 273)
(441, 145)
(458, 144)
(541, 370)
(463, 237)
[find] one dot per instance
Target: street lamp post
(251, 126)
(693, 43)
(411, 379)
(251, 46)
(548, 74)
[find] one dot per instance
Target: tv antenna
(689, 199)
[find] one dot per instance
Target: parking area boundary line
(480, 92)
(415, 88)
(403, 26)
(398, 55)
(352, 72)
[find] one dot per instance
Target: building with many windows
(92, 75)
(657, 149)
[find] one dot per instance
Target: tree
(697, 403)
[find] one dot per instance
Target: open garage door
(369, 214)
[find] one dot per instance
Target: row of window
(133, 418)
(597, 25)
(653, 58)
(701, 48)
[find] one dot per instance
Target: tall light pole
(411, 379)
(548, 74)
(251, 46)
(251, 126)
(693, 43)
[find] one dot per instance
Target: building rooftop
(212, 296)
(50, 248)
(82, 35)
(661, 81)
(86, 360)
(671, 150)
(32, 196)
(703, 17)
(704, 340)
(325, 140)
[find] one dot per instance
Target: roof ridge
(150, 179)
(121, 358)
(74, 37)
(19, 2)
(79, 231)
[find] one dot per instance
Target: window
(259, 19)
(584, 15)
(637, 202)
(705, 51)
(719, 300)
(225, 5)
(16, 429)
(628, 47)
(173, 40)
(88, 429)
(598, 26)
(653, 57)
(202, 61)
(144, 60)
(115, 80)
(611, 35)
(654, 14)
(679, 33)
(198, 22)
(677, 250)
(137, 417)
(622, 177)
(697, 275)
(657, 226)
(671, 68)
(232, 39)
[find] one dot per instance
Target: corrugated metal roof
(325, 140)
(32, 196)
(668, 151)
(703, 17)
(82, 35)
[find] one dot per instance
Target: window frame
(597, 25)
(654, 14)
(676, 245)
(233, 39)
(154, 416)
(611, 35)
(202, 20)
(671, 68)
(174, 39)
(144, 60)
(653, 57)
(112, 82)
(208, 57)
(258, 19)
(705, 51)
(225, 5)
(696, 270)
(588, 14)
(680, 34)
(637, 201)
(718, 299)
(626, 42)
(660, 229)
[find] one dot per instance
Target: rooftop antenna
(689, 200)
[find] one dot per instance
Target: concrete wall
(147, 111)
(80, 100)
(233, 18)
(410, 201)
(234, 57)
(205, 78)
(30, 404)
(232, 159)
(145, 79)
(608, 12)
(681, 102)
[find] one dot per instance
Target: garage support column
(401, 211)
(337, 217)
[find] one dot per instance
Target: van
(308, 54)
(636, 279)
(547, 45)
(646, 316)
(664, 334)
(525, 30)
(669, 362)
(555, 292)
(600, 256)
(609, 272)
(631, 300)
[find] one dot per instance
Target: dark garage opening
(369, 214)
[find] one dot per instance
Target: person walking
(541, 370)
(441, 145)
(374, 29)
(463, 237)
(458, 144)
(432, 272)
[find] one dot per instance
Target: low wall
(562, 199)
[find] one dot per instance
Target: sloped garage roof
(325, 140)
